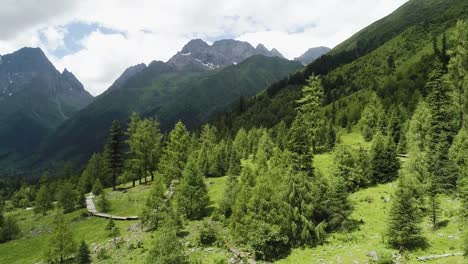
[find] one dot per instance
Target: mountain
(127, 74)
(197, 55)
(362, 63)
(168, 92)
(312, 54)
(34, 99)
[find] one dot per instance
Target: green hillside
(406, 35)
(158, 91)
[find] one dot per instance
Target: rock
(374, 256)
(339, 260)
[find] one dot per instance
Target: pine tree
(145, 147)
(44, 199)
(61, 243)
(191, 194)
(157, 209)
(418, 135)
(103, 203)
(83, 257)
(113, 152)
(301, 200)
(384, 163)
(9, 229)
(300, 146)
(166, 248)
(441, 130)
(97, 187)
(345, 169)
(310, 108)
(175, 154)
(67, 197)
(458, 69)
(94, 170)
(112, 229)
(372, 118)
(405, 215)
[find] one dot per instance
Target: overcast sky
(98, 39)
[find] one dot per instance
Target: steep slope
(312, 54)
(162, 91)
(34, 99)
(361, 62)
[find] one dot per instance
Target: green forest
(359, 157)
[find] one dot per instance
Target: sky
(98, 39)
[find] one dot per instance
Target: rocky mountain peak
(312, 54)
(197, 55)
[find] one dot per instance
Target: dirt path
(92, 210)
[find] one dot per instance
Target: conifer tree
(384, 163)
(175, 154)
(157, 208)
(83, 256)
(372, 118)
(345, 169)
(44, 199)
(418, 135)
(300, 146)
(94, 170)
(192, 195)
(405, 215)
(61, 243)
(310, 108)
(441, 129)
(458, 69)
(103, 203)
(113, 152)
(97, 187)
(145, 147)
(67, 197)
(301, 198)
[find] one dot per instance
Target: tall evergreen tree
(61, 243)
(67, 197)
(458, 69)
(175, 154)
(95, 169)
(192, 195)
(300, 146)
(405, 215)
(83, 257)
(441, 129)
(157, 209)
(44, 199)
(113, 152)
(384, 163)
(310, 108)
(372, 118)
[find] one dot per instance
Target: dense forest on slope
(392, 56)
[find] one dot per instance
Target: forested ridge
(361, 156)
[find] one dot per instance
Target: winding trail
(92, 210)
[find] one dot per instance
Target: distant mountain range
(193, 86)
(312, 54)
(34, 99)
(197, 55)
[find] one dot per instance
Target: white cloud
(106, 56)
(291, 26)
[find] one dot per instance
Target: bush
(9, 230)
(207, 235)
